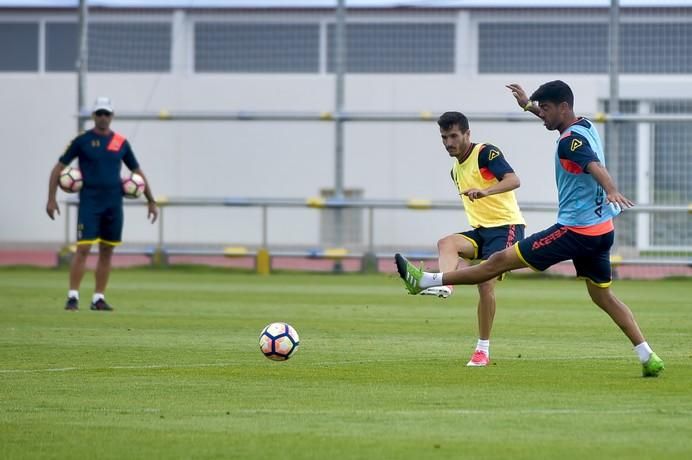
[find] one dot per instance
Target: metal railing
(353, 116)
(369, 205)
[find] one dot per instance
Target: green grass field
(176, 371)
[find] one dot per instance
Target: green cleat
(409, 273)
(653, 366)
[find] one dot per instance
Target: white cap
(103, 103)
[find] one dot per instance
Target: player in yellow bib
(485, 182)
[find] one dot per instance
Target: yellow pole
(263, 262)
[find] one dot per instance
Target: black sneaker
(72, 304)
(101, 305)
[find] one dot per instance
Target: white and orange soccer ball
(70, 180)
(279, 341)
(133, 186)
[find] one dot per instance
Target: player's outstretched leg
(409, 274)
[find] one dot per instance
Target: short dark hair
(449, 119)
(556, 91)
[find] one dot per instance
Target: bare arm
(509, 181)
(600, 173)
(522, 99)
(52, 204)
(153, 211)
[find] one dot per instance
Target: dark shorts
(100, 221)
(488, 241)
(589, 254)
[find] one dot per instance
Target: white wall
(277, 159)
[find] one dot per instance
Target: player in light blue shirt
(582, 199)
(584, 233)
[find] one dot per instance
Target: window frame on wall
(50, 66)
(114, 63)
(324, 22)
(42, 53)
(25, 65)
(467, 36)
(534, 20)
(268, 62)
(663, 226)
(642, 151)
(395, 66)
(143, 65)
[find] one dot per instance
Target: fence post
(65, 253)
(263, 262)
(368, 263)
(159, 258)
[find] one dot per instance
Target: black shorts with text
(589, 254)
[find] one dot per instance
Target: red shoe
(479, 359)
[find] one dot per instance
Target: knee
(82, 250)
(446, 244)
(601, 296)
(105, 250)
(496, 260)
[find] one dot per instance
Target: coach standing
(101, 153)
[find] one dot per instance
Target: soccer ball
(279, 341)
(133, 186)
(70, 180)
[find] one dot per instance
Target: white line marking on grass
(437, 411)
(144, 366)
(336, 363)
(90, 410)
(458, 358)
(202, 365)
(376, 413)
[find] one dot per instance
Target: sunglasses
(102, 113)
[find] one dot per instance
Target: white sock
(484, 346)
(97, 296)
(430, 279)
(643, 351)
(73, 294)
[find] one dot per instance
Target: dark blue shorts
(487, 241)
(100, 221)
(589, 254)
